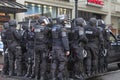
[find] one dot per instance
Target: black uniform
(94, 40)
(77, 47)
(103, 51)
(30, 52)
(41, 41)
(23, 43)
(59, 46)
(4, 40)
(14, 49)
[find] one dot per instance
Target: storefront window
(65, 11)
(29, 9)
(49, 11)
(46, 10)
(34, 9)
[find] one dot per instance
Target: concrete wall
(114, 20)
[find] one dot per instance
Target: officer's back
(12, 32)
(92, 33)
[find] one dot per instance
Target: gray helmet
(62, 18)
(80, 22)
(6, 25)
(13, 23)
(93, 21)
(43, 19)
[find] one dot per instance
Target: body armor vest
(30, 36)
(39, 33)
(10, 34)
(91, 33)
(56, 30)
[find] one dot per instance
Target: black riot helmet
(61, 19)
(80, 22)
(6, 25)
(101, 23)
(13, 23)
(93, 21)
(25, 27)
(43, 19)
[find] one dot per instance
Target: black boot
(32, 76)
(27, 75)
(79, 77)
(53, 79)
(37, 78)
(42, 78)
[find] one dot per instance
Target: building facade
(8, 9)
(108, 10)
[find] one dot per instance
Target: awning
(11, 7)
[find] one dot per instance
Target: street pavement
(113, 74)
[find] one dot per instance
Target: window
(67, 12)
(34, 9)
(49, 11)
(46, 10)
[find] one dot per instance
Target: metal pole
(76, 8)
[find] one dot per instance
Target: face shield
(46, 21)
(62, 19)
(101, 23)
(84, 23)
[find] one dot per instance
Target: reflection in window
(29, 11)
(49, 11)
(39, 9)
(65, 11)
(34, 9)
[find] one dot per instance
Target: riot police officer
(23, 44)
(30, 51)
(14, 49)
(77, 45)
(60, 48)
(41, 40)
(4, 40)
(94, 40)
(103, 51)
